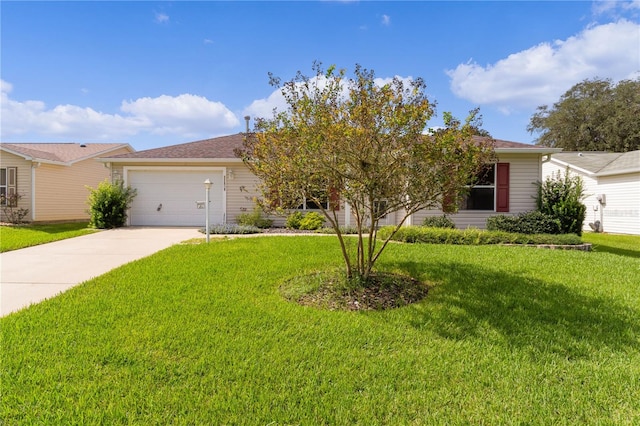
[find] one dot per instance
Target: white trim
(527, 150)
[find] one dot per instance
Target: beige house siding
(61, 191)
(524, 172)
(23, 182)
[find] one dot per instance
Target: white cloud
(600, 7)
(184, 115)
(541, 74)
(161, 18)
(263, 108)
(386, 20)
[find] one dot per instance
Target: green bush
(561, 197)
(533, 222)
(438, 222)
(306, 221)
(224, 229)
(473, 236)
(344, 230)
(312, 221)
(255, 218)
(293, 220)
(108, 204)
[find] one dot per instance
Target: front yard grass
(21, 236)
(199, 334)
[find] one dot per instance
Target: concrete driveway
(33, 274)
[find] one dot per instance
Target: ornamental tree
(359, 141)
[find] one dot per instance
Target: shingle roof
(602, 162)
(64, 153)
(220, 147)
(223, 147)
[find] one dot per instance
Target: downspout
(34, 166)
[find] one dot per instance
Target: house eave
(541, 151)
(168, 160)
(618, 172)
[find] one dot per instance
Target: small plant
(13, 213)
(533, 222)
(108, 204)
(293, 220)
(225, 229)
(438, 222)
(344, 230)
(255, 218)
(312, 221)
(561, 197)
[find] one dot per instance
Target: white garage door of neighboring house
(168, 197)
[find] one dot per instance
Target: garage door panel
(168, 197)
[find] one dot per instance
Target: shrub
(293, 220)
(561, 197)
(533, 222)
(108, 204)
(473, 236)
(255, 218)
(13, 213)
(224, 229)
(344, 230)
(438, 222)
(312, 221)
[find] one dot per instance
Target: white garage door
(169, 197)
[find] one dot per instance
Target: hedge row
(473, 236)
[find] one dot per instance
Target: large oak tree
(594, 115)
(360, 141)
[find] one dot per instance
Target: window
(3, 186)
(8, 185)
(309, 204)
(328, 200)
(481, 195)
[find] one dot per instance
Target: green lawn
(17, 237)
(625, 245)
(198, 334)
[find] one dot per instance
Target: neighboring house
(612, 186)
(52, 177)
(170, 184)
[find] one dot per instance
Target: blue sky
(160, 73)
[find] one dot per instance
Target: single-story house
(51, 178)
(170, 190)
(612, 187)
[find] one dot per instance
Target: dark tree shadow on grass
(527, 313)
(615, 250)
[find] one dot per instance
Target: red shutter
(334, 199)
(448, 199)
(502, 187)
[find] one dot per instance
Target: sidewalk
(33, 274)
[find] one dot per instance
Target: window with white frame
(482, 193)
(309, 204)
(3, 186)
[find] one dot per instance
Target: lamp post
(207, 187)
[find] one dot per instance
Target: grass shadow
(525, 312)
(615, 250)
